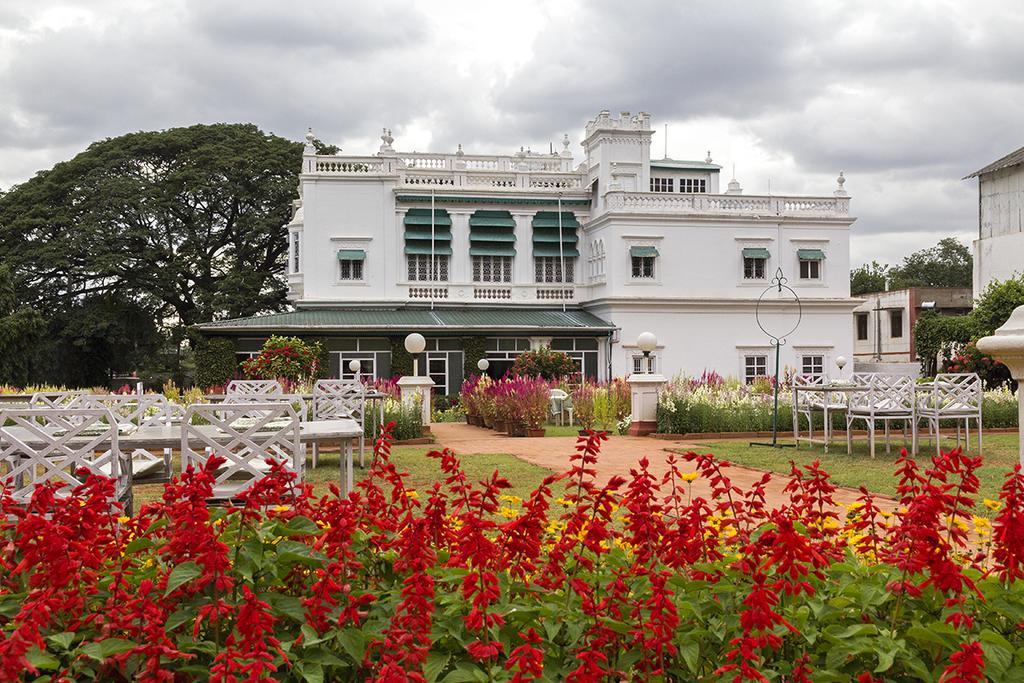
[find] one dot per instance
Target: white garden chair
(54, 399)
(62, 445)
(952, 396)
(807, 401)
(254, 388)
(245, 434)
(131, 411)
(561, 405)
(335, 399)
(887, 399)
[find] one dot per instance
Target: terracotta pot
(517, 429)
(535, 432)
(498, 425)
(488, 422)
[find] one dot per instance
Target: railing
(557, 294)
(528, 172)
(758, 205)
(492, 293)
(428, 292)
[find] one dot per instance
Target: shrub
(216, 362)
(638, 579)
(287, 358)
(970, 359)
(545, 363)
(473, 349)
(407, 420)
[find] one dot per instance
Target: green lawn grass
(858, 469)
(561, 430)
(423, 471)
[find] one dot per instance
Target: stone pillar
(413, 388)
(1007, 347)
(645, 389)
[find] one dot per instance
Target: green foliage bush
(545, 363)
(401, 360)
(287, 358)
(215, 360)
(408, 420)
(473, 349)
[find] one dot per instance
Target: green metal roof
(404, 320)
(756, 252)
(810, 254)
(683, 165)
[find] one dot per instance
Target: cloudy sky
(905, 97)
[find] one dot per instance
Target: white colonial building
(999, 249)
(532, 250)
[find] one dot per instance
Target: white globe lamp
(647, 342)
(415, 344)
(840, 363)
(483, 364)
(354, 366)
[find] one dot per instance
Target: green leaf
(107, 648)
(288, 605)
(182, 574)
(298, 526)
(62, 640)
(998, 653)
(353, 641)
(41, 659)
(310, 671)
(464, 673)
(690, 652)
(435, 664)
(179, 617)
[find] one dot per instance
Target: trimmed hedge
(216, 363)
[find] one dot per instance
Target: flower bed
(717, 405)
(634, 579)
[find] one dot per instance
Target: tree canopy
(948, 264)
(184, 225)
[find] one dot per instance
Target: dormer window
(662, 184)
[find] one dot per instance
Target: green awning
(546, 235)
(549, 219)
(492, 219)
(424, 248)
(351, 255)
(643, 252)
(810, 254)
(492, 237)
(492, 249)
(418, 233)
(422, 217)
(756, 252)
(568, 250)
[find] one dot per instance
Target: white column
(645, 390)
(522, 273)
(417, 389)
(460, 267)
(1007, 347)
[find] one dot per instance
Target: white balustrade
(492, 293)
(428, 292)
(657, 202)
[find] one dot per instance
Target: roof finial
(707, 159)
(386, 140)
(734, 185)
(840, 192)
(309, 147)
(565, 145)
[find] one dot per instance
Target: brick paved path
(618, 455)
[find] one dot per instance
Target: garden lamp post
(1007, 347)
(354, 367)
(841, 363)
(483, 364)
(645, 386)
(415, 388)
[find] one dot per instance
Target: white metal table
(826, 390)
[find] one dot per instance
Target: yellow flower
(511, 500)
(689, 476)
(282, 508)
(412, 494)
(993, 504)
(124, 519)
(982, 522)
(508, 513)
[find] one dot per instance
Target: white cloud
(906, 97)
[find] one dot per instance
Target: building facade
(999, 249)
(884, 323)
(529, 250)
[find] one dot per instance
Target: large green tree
(186, 223)
(21, 328)
(868, 278)
(948, 264)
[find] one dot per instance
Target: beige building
(883, 329)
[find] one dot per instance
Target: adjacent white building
(999, 249)
(530, 250)
(884, 323)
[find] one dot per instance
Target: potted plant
(535, 403)
(467, 398)
(504, 404)
(583, 406)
